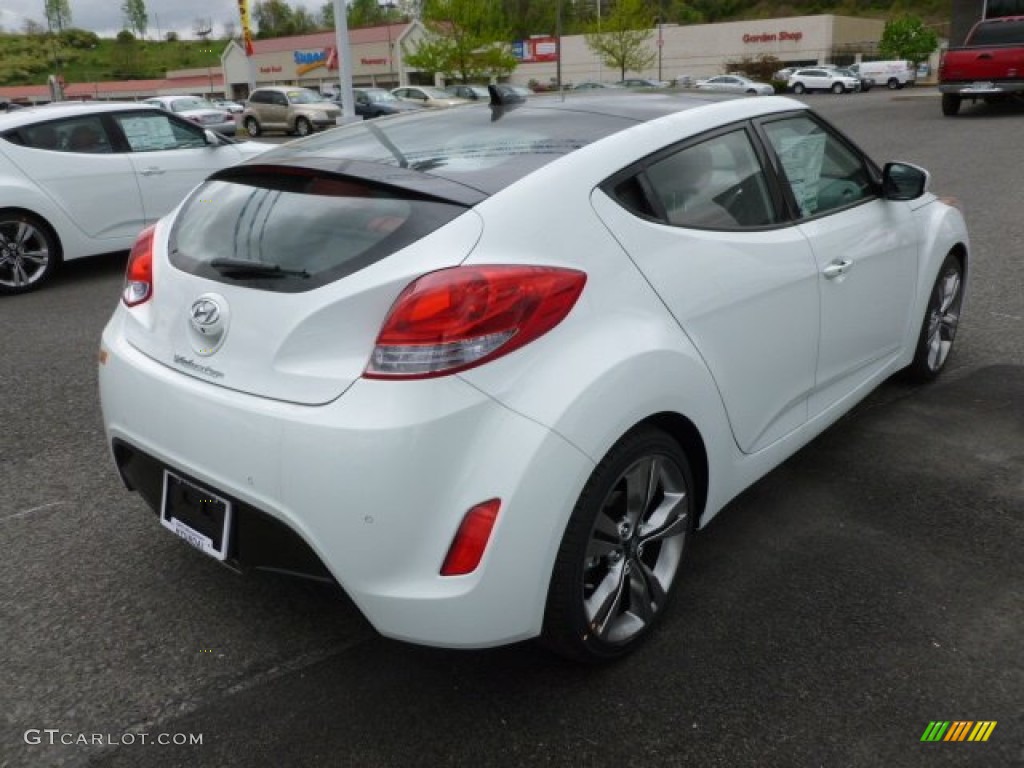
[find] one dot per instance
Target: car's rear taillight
(138, 277)
(462, 317)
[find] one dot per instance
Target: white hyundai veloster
(489, 368)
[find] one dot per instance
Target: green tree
(327, 15)
(82, 39)
(135, 16)
(465, 40)
(302, 22)
(364, 13)
(127, 57)
(624, 40)
(273, 18)
(58, 14)
(908, 38)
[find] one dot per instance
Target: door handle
(152, 171)
(837, 269)
(984, 56)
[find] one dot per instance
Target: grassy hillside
(29, 59)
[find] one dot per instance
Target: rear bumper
(372, 487)
(983, 88)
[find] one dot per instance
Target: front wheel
(622, 550)
(799, 88)
(838, 88)
(893, 84)
(28, 252)
(303, 127)
(941, 319)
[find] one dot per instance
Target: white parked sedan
(82, 179)
(735, 84)
(370, 370)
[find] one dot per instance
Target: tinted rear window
(999, 33)
(317, 229)
(482, 148)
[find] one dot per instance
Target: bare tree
(202, 28)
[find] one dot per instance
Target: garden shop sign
(774, 37)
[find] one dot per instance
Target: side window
(822, 171)
(279, 99)
(42, 136)
(151, 132)
(80, 134)
(258, 97)
(717, 184)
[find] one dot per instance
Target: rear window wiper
(244, 268)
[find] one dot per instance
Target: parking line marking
(30, 511)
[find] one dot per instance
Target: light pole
(209, 71)
(558, 46)
(661, 42)
(389, 6)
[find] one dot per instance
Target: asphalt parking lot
(869, 586)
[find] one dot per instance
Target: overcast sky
(105, 18)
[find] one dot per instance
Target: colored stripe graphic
(958, 730)
(982, 730)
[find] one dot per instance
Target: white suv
(821, 79)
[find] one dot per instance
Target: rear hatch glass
(275, 282)
(292, 230)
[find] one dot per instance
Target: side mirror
(211, 138)
(903, 181)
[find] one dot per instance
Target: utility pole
(558, 45)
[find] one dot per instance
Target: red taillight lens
(458, 318)
(138, 277)
(471, 539)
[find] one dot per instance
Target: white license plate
(981, 87)
(196, 514)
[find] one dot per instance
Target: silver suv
(822, 79)
(288, 108)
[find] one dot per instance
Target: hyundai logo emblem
(205, 313)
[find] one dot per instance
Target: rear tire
(252, 127)
(940, 323)
(799, 88)
(950, 104)
(29, 252)
(622, 550)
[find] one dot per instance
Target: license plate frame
(196, 514)
(981, 86)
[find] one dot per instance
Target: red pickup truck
(989, 66)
